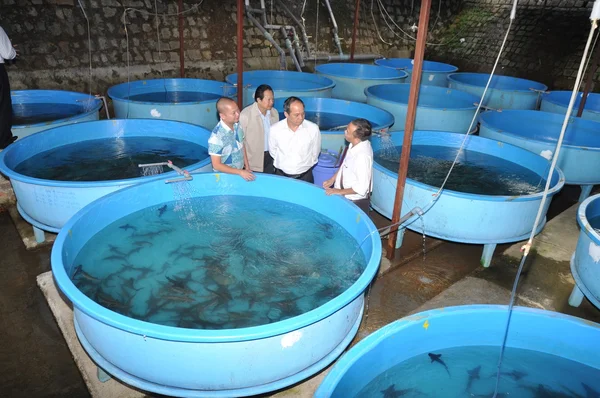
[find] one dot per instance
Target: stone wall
(545, 44)
(52, 37)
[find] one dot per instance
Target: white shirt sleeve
(363, 170)
(6, 49)
(273, 142)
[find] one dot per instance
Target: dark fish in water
(81, 274)
(132, 251)
(142, 243)
(76, 271)
(115, 258)
(391, 392)
(130, 284)
(161, 210)
(437, 358)
(114, 249)
(590, 392)
(515, 374)
(542, 392)
(473, 375)
(127, 227)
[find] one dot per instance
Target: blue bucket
(326, 167)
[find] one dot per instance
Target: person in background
(354, 177)
(256, 121)
(7, 52)
(295, 143)
(226, 142)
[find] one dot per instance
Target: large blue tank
(538, 132)
(352, 79)
(224, 362)
(438, 108)
(185, 100)
(584, 262)
(558, 102)
(333, 115)
(434, 73)
(504, 92)
(458, 216)
(38, 110)
(284, 84)
(548, 332)
(48, 204)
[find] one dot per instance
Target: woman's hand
(329, 183)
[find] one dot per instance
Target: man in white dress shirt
(354, 179)
(7, 52)
(295, 143)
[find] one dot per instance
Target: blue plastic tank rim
(10, 173)
(453, 95)
(407, 64)
(583, 221)
(490, 198)
(540, 117)
(59, 96)
(562, 98)
(114, 319)
(255, 78)
(365, 72)
(532, 86)
(122, 91)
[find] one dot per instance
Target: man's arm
(223, 168)
(317, 146)
(6, 49)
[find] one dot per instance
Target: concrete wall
(52, 37)
(546, 41)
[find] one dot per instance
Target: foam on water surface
(218, 262)
(471, 372)
(474, 172)
(110, 158)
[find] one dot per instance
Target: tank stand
(102, 375)
(585, 192)
(488, 253)
(576, 297)
(39, 235)
(400, 238)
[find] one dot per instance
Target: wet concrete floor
(37, 363)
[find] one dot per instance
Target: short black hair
(259, 94)
(363, 128)
(290, 101)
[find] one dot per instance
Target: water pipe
(297, 22)
(336, 38)
(267, 35)
(186, 175)
(296, 43)
(288, 44)
(345, 57)
(409, 127)
(181, 44)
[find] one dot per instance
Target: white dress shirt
(357, 170)
(294, 152)
(6, 49)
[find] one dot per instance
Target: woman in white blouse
(354, 178)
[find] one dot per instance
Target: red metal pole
(240, 53)
(409, 126)
(588, 83)
(354, 29)
(181, 47)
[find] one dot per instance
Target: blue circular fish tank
(333, 115)
(504, 92)
(38, 110)
(284, 84)
(47, 204)
(478, 329)
(438, 108)
(205, 362)
(538, 132)
(585, 259)
(352, 79)
(558, 102)
(184, 100)
(434, 73)
(471, 212)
